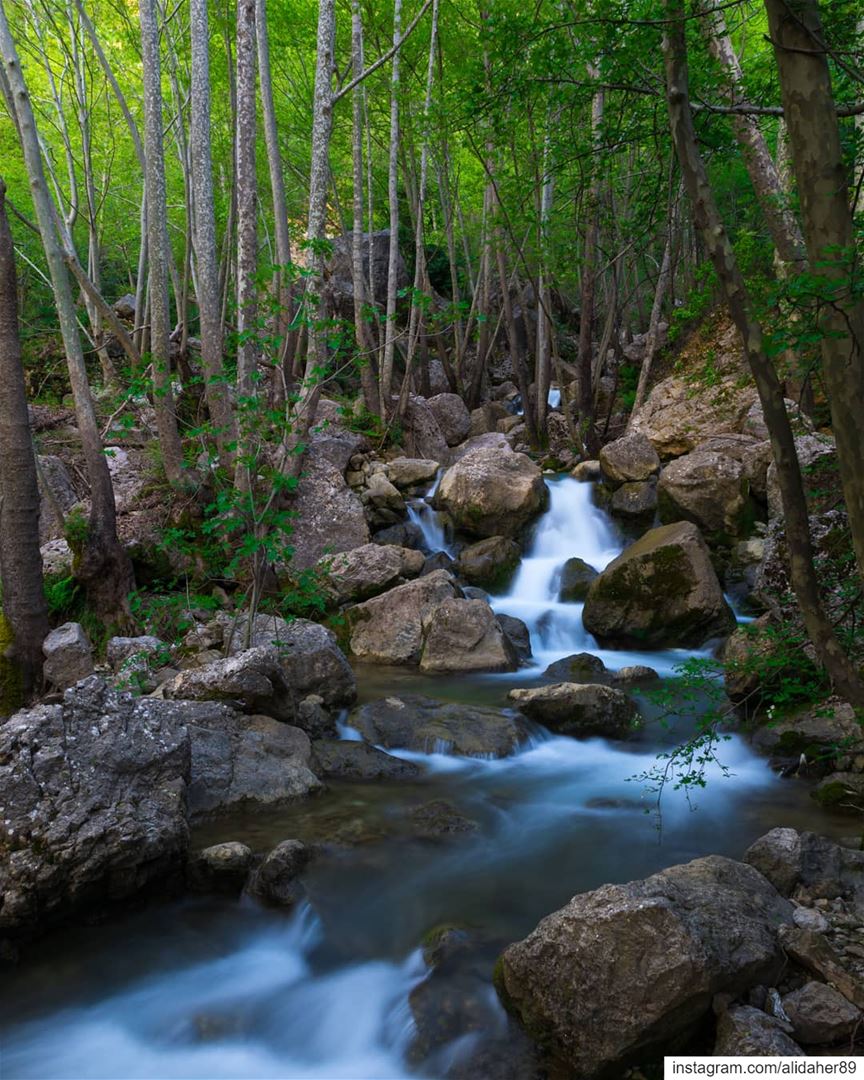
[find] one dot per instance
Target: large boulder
(92, 804)
(453, 417)
(68, 656)
(366, 571)
(661, 591)
(635, 501)
(412, 722)
(375, 249)
(755, 456)
(829, 731)
(252, 681)
(744, 1031)
(630, 458)
(580, 709)
(808, 864)
(624, 970)
(423, 437)
(708, 489)
(388, 629)
(332, 514)
(406, 472)
(576, 578)
(812, 452)
(489, 563)
(492, 492)
(243, 762)
(464, 635)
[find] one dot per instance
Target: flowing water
(220, 988)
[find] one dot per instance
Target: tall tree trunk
(707, 219)
(247, 202)
(101, 563)
(386, 387)
(20, 561)
(589, 274)
(206, 255)
(543, 354)
(829, 230)
(778, 214)
(157, 245)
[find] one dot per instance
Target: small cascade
(554, 398)
(428, 520)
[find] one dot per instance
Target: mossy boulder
(660, 592)
(489, 563)
(843, 792)
(576, 579)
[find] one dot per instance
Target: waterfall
(428, 520)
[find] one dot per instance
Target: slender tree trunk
(543, 354)
(707, 219)
(101, 564)
(247, 202)
(386, 387)
(20, 561)
(589, 273)
(157, 246)
(829, 230)
(206, 256)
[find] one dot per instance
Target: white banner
(682, 1067)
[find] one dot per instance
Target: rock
(631, 458)
(791, 860)
(252, 681)
(580, 709)
(743, 1031)
(423, 436)
(489, 441)
(755, 426)
(332, 514)
(56, 559)
(344, 759)
(824, 733)
(439, 560)
(581, 667)
(366, 571)
(121, 649)
(754, 455)
(243, 762)
(124, 307)
(92, 805)
(383, 495)
(57, 493)
(576, 578)
(412, 722)
(68, 656)
(635, 501)
(376, 250)
(274, 882)
(810, 919)
(222, 868)
(441, 818)
(407, 534)
(810, 450)
(389, 629)
(492, 492)
(463, 635)
(661, 591)
(635, 674)
(518, 634)
(841, 791)
(708, 489)
(673, 941)
(330, 440)
(412, 472)
(489, 563)
(814, 953)
(820, 1015)
(453, 417)
(587, 471)
(747, 654)
(486, 418)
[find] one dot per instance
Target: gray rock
(92, 805)
(222, 868)
(366, 571)
(375, 249)
(791, 860)
(489, 563)
(631, 458)
(673, 941)
(576, 578)
(661, 591)
(743, 1031)
(332, 514)
(68, 656)
(581, 667)
(708, 489)
(412, 722)
(810, 450)
(344, 759)
(820, 1015)
(57, 493)
(440, 818)
(464, 635)
(635, 674)
(492, 492)
(252, 681)
(580, 709)
(388, 629)
(275, 880)
(517, 634)
(587, 471)
(121, 649)
(635, 500)
(422, 436)
(453, 417)
(412, 472)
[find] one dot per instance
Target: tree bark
(589, 274)
(829, 231)
(707, 219)
(157, 245)
(20, 561)
(101, 564)
(246, 185)
(393, 201)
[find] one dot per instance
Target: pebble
(810, 919)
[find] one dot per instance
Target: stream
(213, 988)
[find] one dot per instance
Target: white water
(323, 994)
(428, 520)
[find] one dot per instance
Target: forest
(431, 537)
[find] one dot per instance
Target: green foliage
(76, 529)
(697, 303)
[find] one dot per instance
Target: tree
(805, 582)
(20, 560)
